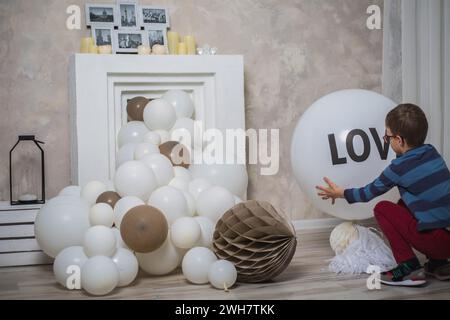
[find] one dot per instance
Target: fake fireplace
(100, 86)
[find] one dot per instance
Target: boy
(421, 219)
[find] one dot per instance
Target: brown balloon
(135, 108)
(177, 153)
(144, 228)
(109, 197)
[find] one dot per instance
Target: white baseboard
(310, 224)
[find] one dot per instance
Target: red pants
(400, 227)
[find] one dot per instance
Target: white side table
(18, 246)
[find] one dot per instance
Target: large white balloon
(127, 265)
(133, 131)
(161, 167)
(92, 190)
(230, 176)
(162, 261)
(101, 214)
(125, 153)
(159, 115)
(207, 232)
(170, 201)
(61, 223)
(122, 206)
(185, 232)
(143, 149)
(197, 186)
(181, 102)
(214, 202)
(152, 137)
(133, 178)
(70, 256)
(196, 263)
(192, 210)
(99, 275)
(182, 173)
(341, 137)
(99, 241)
(71, 191)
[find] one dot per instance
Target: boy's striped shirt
(423, 180)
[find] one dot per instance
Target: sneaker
(404, 275)
(441, 273)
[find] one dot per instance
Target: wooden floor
(306, 278)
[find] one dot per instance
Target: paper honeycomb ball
(257, 239)
(342, 235)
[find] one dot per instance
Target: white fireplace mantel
(101, 84)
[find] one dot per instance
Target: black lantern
(26, 171)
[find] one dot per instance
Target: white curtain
(423, 48)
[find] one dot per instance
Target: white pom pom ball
(342, 235)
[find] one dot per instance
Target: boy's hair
(409, 122)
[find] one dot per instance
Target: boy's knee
(382, 208)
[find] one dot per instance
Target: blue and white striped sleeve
(385, 182)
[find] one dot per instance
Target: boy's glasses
(387, 138)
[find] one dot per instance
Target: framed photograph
(157, 36)
(102, 35)
(154, 17)
(127, 41)
(128, 15)
(100, 14)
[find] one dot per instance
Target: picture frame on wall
(102, 35)
(156, 36)
(100, 14)
(127, 15)
(127, 41)
(153, 17)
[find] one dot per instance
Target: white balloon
(133, 178)
(143, 149)
(122, 206)
(61, 223)
(185, 232)
(133, 131)
(99, 275)
(99, 241)
(198, 185)
(162, 261)
(71, 191)
(326, 134)
(181, 102)
(92, 190)
(230, 176)
(125, 153)
(183, 131)
(179, 183)
(161, 167)
(127, 265)
(70, 256)
(101, 214)
(207, 232)
(196, 263)
(152, 137)
(159, 115)
(222, 274)
(170, 201)
(119, 241)
(164, 135)
(214, 202)
(190, 203)
(182, 173)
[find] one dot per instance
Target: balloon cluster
(157, 213)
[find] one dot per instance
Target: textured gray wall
(295, 52)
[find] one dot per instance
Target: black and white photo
(102, 35)
(157, 36)
(127, 41)
(100, 14)
(128, 16)
(154, 17)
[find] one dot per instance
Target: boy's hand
(332, 191)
